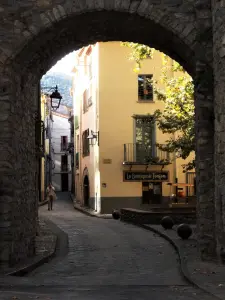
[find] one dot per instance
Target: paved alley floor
(107, 259)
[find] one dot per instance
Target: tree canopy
(177, 118)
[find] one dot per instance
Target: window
(64, 163)
(145, 88)
(77, 160)
(85, 142)
(191, 179)
(64, 143)
(87, 98)
(144, 137)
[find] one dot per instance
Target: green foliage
(177, 118)
(138, 53)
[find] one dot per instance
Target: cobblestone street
(107, 259)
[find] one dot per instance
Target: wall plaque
(107, 161)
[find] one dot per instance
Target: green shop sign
(152, 176)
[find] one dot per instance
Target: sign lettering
(146, 176)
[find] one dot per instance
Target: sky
(65, 65)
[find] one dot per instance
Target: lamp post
(56, 98)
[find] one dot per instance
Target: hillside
(64, 83)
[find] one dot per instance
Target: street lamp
(55, 97)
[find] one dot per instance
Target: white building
(60, 140)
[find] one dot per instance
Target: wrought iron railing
(145, 154)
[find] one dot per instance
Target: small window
(85, 106)
(85, 142)
(64, 143)
(87, 98)
(145, 88)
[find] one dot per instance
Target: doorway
(151, 192)
(86, 189)
(64, 182)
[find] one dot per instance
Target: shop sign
(152, 176)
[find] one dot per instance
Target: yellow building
(45, 113)
(122, 167)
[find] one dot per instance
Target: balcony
(138, 154)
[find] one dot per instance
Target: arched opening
(86, 191)
(26, 65)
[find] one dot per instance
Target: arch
(37, 37)
(46, 46)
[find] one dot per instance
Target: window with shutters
(85, 143)
(144, 137)
(145, 88)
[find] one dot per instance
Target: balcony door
(144, 138)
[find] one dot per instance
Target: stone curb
(42, 203)
(60, 242)
(183, 267)
(89, 213)
(86, 212)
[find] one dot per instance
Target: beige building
(122, 167)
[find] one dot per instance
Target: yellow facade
(44, 101)
(43, 159)
(113, 89)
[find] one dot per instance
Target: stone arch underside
(39, 39)
(51, 44)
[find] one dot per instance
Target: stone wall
(204, 130)
(19, 168)
(219, 107)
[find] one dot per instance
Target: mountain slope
(64, 83)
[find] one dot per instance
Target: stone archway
(35, 38)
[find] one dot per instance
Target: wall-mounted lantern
(93, 138)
